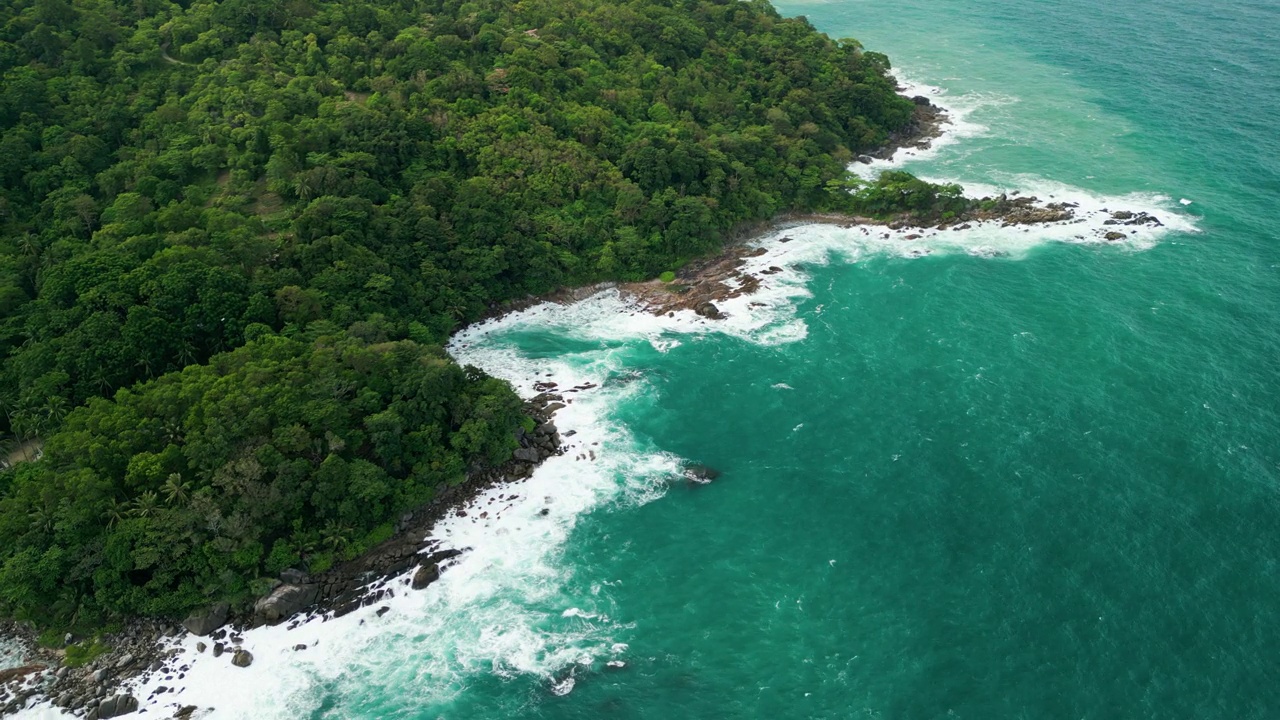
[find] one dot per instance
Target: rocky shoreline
(701, 284)
(927, 124)
(94, 690)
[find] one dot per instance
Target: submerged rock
(700, 474)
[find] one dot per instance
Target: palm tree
(28, 245)
(144, 362)
(177, 491)
(186, 354)
(54, 410)
(335, 536)
(116, 512)
(42, 518)
(172, 431)
(145, 504)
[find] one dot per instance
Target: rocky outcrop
(708, 309)
(925, 126)
(1126, 217)
(204, 622)
(426, 575)
(700, 474)
(283, 602)
(115, 707)
(19, 672)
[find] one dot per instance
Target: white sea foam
(11, 654)
(960, 124)
(505, 607)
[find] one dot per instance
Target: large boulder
(528, 455)
(426, 575)
(242, 658)
(293, 576)
(117, 706)
(204, 622)
(708, 310)
(283, 602)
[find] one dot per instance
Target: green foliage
(84, 653)
(667, 277)
(896, 192)
(51, 638)
(233, 235)
(189, 486)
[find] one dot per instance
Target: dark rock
(218, 649)
(185, 711)
(299, 647)
(18, 672)
(204, 622)
(921, 101)
(865, 159)
(708, 310)
(283, 602)
(294, 577)
(383, 610)
(1114, 235)
(1122, 215)
(544, 512)
(440, 556)
(242, 658)
(700, 474)
(201, 647)
(117, 706)
(426, 575)
(528, 455)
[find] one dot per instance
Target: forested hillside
(272, 212)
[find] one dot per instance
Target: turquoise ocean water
(1017, 477)
(1043, 486)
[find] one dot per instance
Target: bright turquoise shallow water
(1037, 487)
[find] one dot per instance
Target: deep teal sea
(1043, 486)
(1020, 476)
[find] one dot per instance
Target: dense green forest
(234, 234)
